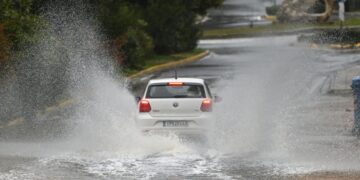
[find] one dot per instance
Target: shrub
(132, 48)
(336, 36)
(19, 20)
(272, 10)
(138, 46)
(4, 47)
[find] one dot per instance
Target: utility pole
(341, 12)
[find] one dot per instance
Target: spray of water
(71, 61)
(253, 99)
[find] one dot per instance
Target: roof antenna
(176, 75)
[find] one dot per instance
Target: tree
(4, 47)
(122, 21)
(198, 6)
(293, 11)
(172, 25)
(201, 6)
(19, 21)
(117, 17)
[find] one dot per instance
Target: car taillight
(175, 84)
(206, 105)
(144, 106)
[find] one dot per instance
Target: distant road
(236, 13)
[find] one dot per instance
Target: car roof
(185, 80)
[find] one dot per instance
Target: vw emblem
(176, 104)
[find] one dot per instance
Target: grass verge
(271, 29)
(162, 59)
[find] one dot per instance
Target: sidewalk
(341, 83)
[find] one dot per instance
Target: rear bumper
(176, 131)
(196, 125)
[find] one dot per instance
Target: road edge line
(169, 65)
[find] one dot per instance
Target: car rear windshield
(184, 91)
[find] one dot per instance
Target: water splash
(71, 61)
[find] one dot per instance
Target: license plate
(175, 124)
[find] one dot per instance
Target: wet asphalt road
(276, 121)
(277, 118)
(238, 13)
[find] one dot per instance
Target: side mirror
(217, 99)
(137, 99)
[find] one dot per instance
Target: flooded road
(276, 120)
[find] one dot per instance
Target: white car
(180, 105)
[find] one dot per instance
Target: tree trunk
(296, 11)
(323, 17)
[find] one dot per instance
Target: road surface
(276, 121)
(238, 13)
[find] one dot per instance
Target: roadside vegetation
(273, 28)
(291, 16)
(349, 38)
(141, 32)
(162, 59)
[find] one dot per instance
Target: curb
(270, 18)
(13, 122)
(19, 120)
(169, 65)
(337, 46)
(157, 68)
(341, 80)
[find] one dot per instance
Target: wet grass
(162, 59)
(272, 29)
(249, 31)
